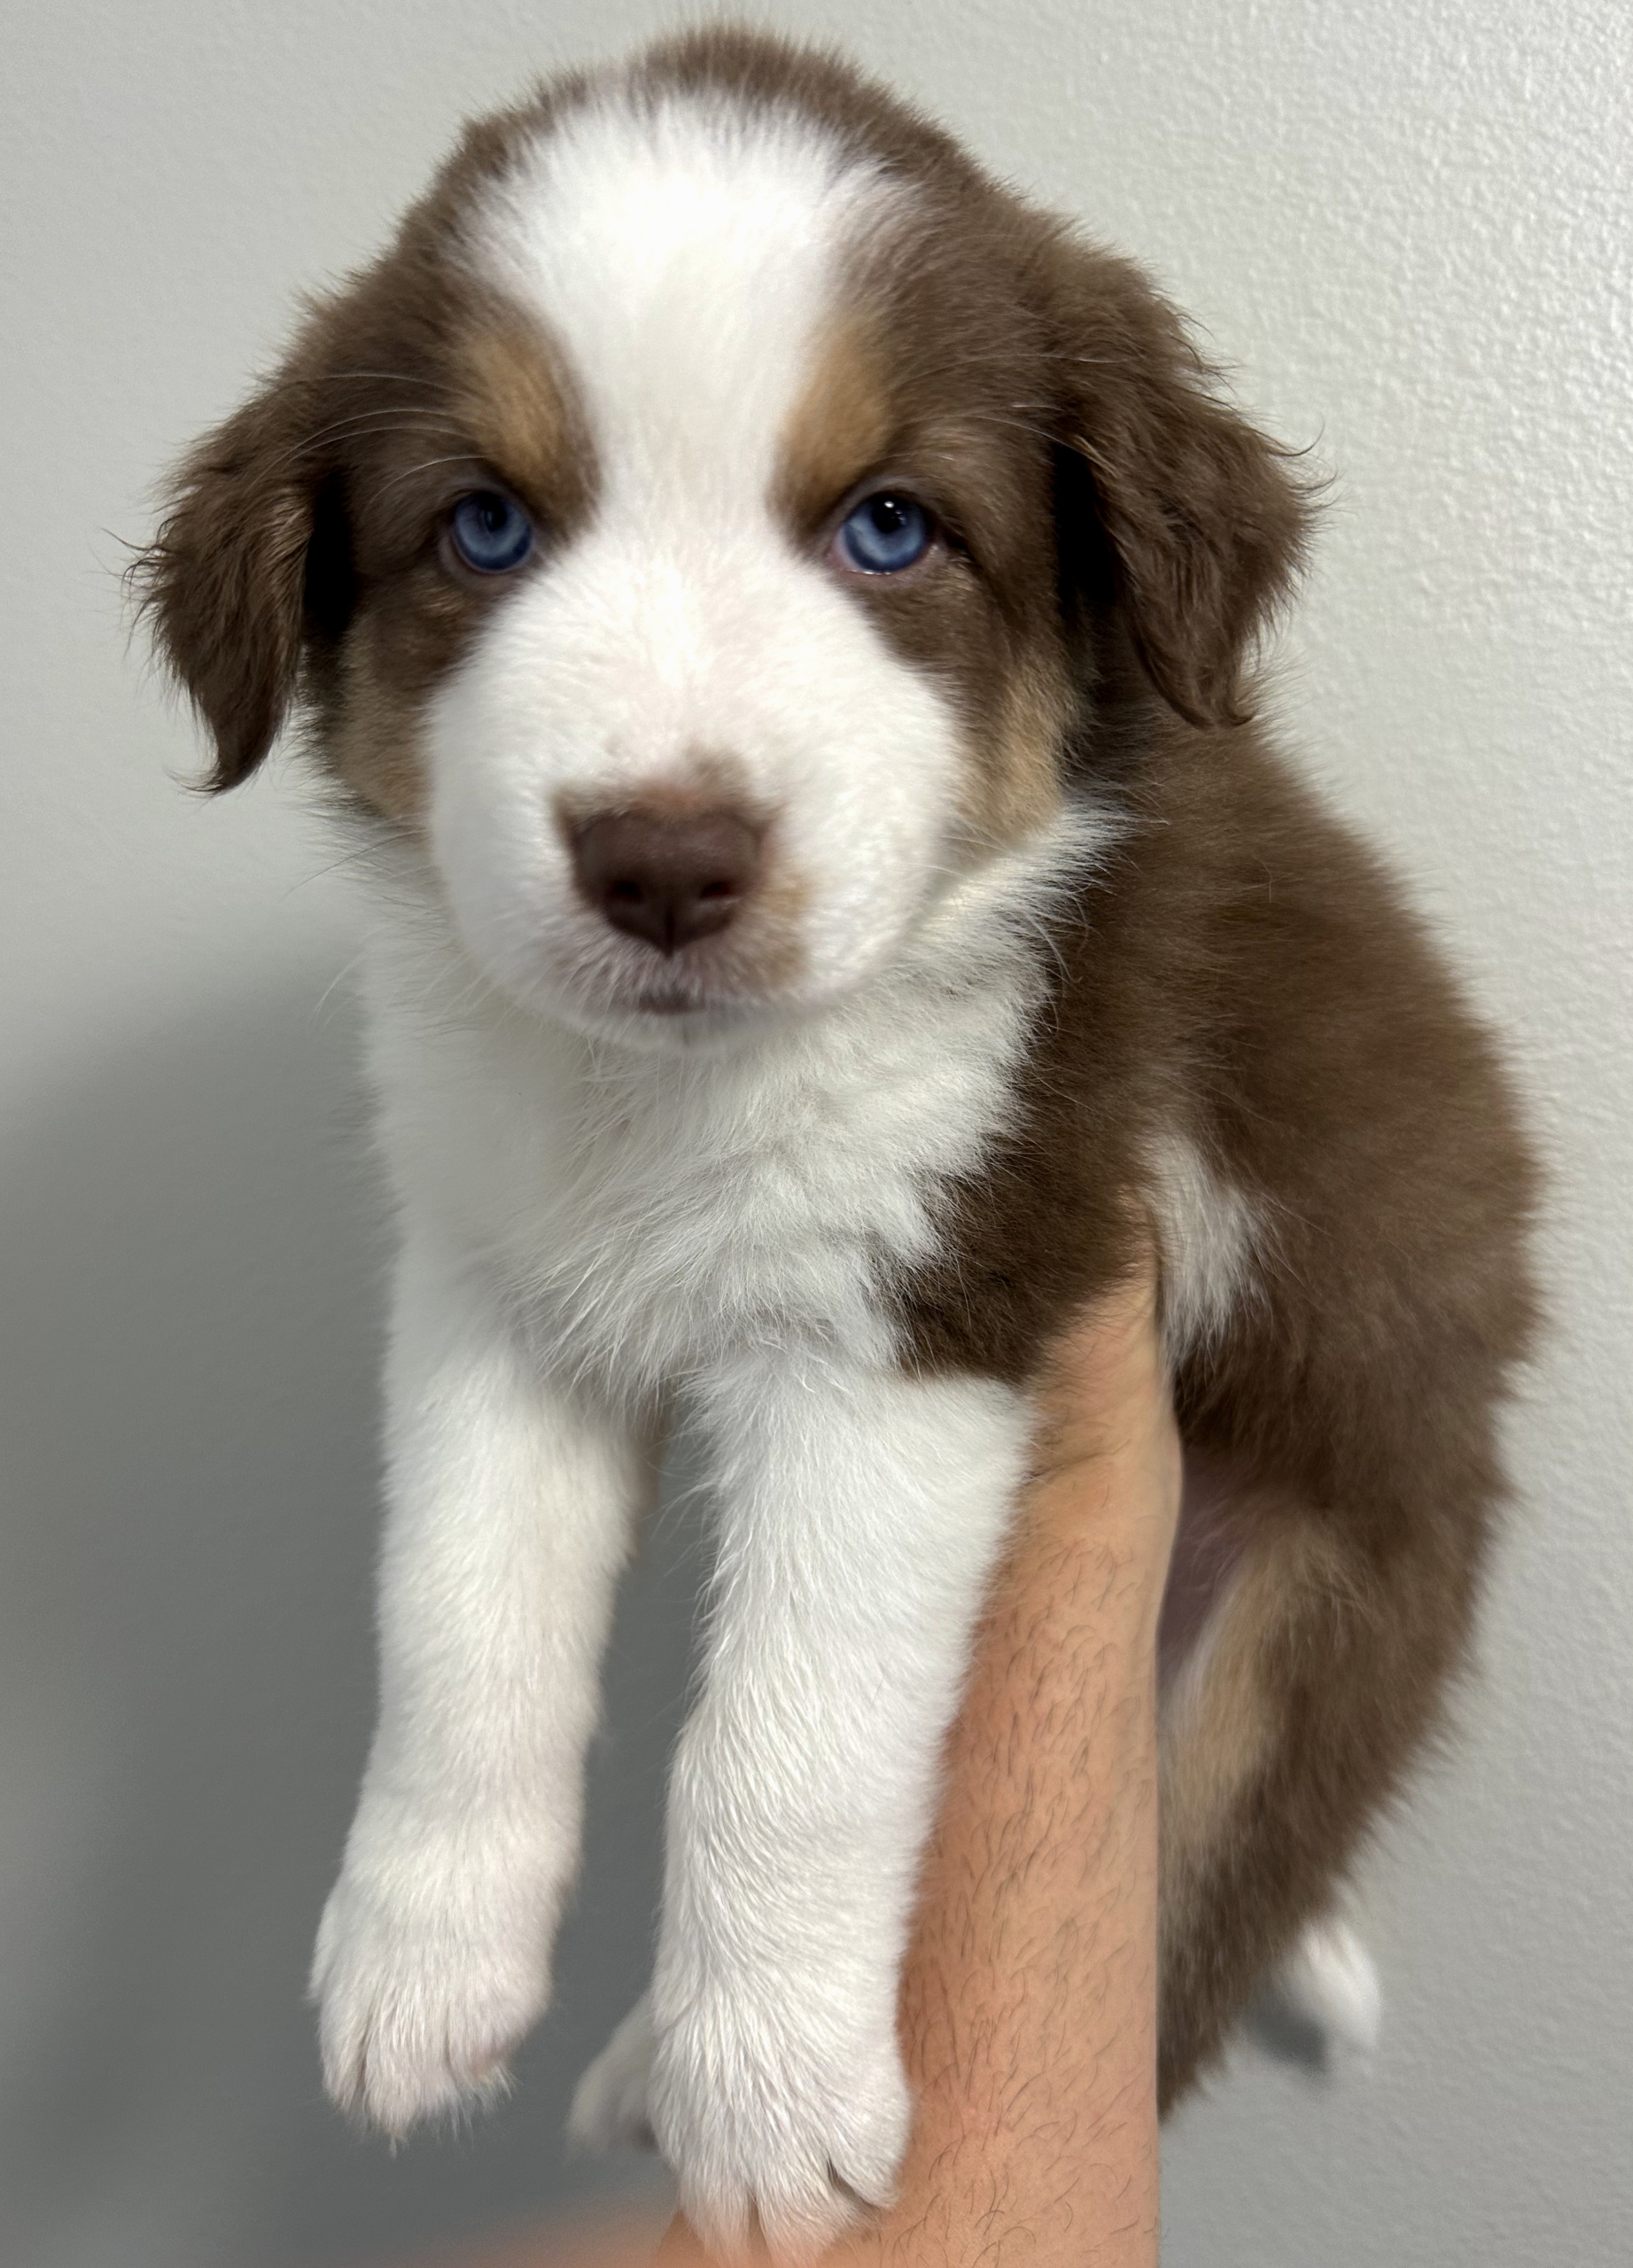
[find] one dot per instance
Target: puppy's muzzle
(668, 882)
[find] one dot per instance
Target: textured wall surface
(1408, 231)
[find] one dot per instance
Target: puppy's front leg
(509, 1507)
(862, 1513)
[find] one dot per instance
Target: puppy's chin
(668, 1014)
(687, 1028)
(661, 1010)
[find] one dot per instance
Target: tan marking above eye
(841, 426)
(517, 404)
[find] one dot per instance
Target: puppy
(779, 609)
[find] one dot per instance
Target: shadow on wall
(194, 1248)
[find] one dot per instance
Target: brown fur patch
(839, 429)
(299, 561)
(1221, 1710)
(375, 747)
(511, 392)
(1020, 790)
(977, 614)
(1243, 969)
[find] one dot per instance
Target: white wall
(1409, 229)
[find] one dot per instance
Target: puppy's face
(692, 633)
(668, 533)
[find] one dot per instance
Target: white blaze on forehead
(682, 256)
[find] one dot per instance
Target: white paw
(786, 2107)
(1330, 1982)
(609, 2104)
(430, 1967)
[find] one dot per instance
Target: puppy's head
(706, 529)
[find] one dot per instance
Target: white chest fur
(649, 1211)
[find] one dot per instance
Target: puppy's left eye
(885, 534)
(491, 533)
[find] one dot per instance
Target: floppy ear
(1206, 527)
(226, 580)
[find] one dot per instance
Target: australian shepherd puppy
(779, 607)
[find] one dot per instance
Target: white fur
(1330, 1982)
(860, 1516)
(609, 1212)
(650, 1210)
(1208, 1235)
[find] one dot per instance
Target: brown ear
(225, 579)
(1206, 525)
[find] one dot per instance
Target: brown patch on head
(976, 616)
(505, 411)
(299, 562)
(1020, 789)
(914, 391)
(373, 742)
(510, 392)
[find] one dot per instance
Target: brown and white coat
(1022, 935)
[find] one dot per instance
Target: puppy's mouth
(678, 1000)
(667, 1012)
(755, 967)
(704, 981)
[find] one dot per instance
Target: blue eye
(491, 533)
(884, 534)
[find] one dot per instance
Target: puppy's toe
(417, 2019)
(609, 2105)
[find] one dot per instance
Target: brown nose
(669, 880)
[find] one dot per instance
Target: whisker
(366, 422)
(414, 418)
(351, 858)
(459, 456)
(392, 377)
(335, 981)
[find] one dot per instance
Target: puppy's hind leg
(1292, 1704)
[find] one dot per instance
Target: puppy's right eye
(491, 533)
